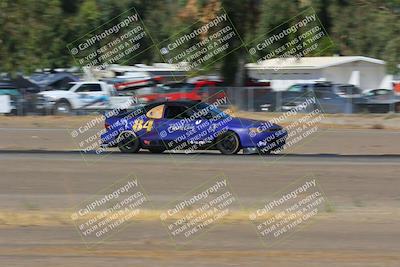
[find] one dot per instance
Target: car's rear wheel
(156, 150)
(128, 142)
(229, 143)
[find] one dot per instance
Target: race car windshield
(210, 111)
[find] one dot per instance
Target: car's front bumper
(266, 141)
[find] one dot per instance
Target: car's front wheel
(128, 143)
(62, 107)
(229, 143)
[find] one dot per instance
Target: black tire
(229, 143)
(156, 150)
(128, 143)
(62, 107)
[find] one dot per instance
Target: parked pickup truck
(82, 96)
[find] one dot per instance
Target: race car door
(176, 127)
(164, 126)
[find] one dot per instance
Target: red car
(198, 91)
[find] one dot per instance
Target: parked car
(332, 98)
(17, 96)
(197, 91)
(380, 101)
(10, 98)
(81, 95)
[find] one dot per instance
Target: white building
(364, 72)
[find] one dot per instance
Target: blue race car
(188, 126)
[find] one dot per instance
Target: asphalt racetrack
(43, 177)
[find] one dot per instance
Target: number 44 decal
(139, 125)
